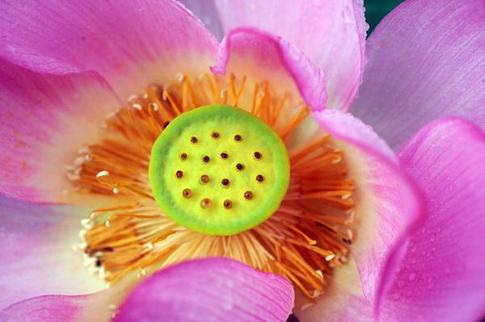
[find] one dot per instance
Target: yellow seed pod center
(219, 170)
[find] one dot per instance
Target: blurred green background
(375, 10)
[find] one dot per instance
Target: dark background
(375, 10)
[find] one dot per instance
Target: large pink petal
(442, 277)
(261, 56)
(388, 208)
(44, 120)
(47, 308)
(426, 60)
(129, 43)
(213, 289)
(330, 33)
(36, 251)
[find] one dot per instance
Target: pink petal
(129, 43)
(388, 207)
(37, 256)
(44, 120)
(213, 289)
(442, 277)
(46, 308)
(425, 61)
(330, 33)
(247, 51)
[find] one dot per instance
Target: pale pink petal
(442, 277)
(213, 289)
(426, 60)
(388, 207)
(330, 33)
(129, 43)
(49, 308)
(262, 56)
(44, 120)
(37, 251)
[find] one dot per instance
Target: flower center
(218, 170)
(218, 184)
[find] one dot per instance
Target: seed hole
(224, 155)
(194, 139)
(183, 156)
(248, 195)
(259, 178)
(205, 203)
(204, 178)
(206, 158)
(187, 193)
(227, 204)
(240, 166)
(225, 182)
(179, 174)
(258, 155)
(215, 135)
(237, 137)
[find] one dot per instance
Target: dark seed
(248, 195)
(237, 137)
(179, 174)
(225, 182)
(204, 178)
(194, 139)
(215, 135)
(224, 155)
(227, 204)
(187, 193)
(240, 166)
(259, 178)
(183, 156)
(205, 203)
(165, 124)
(258, 155)
(206, 159)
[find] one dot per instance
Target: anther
(206, 158)
(240, 166)
(259, 178)
(258, 155)
(227, 204)
(248, 195)
(204, 178)
(187, 193)
(215, 135)
(224, 155)
(237, 137)
(183, 156)
(205, 203)
(225, 182)
(194, 139)
(179, 174)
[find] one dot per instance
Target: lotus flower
(241, 181)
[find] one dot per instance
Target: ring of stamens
(305, 239)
